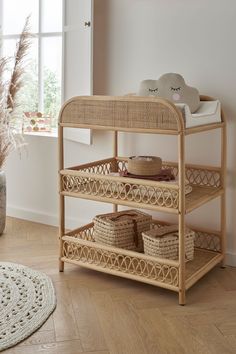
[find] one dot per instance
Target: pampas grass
(10, 139)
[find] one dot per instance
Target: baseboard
(31, 215)
(43, 218)
(231, 259)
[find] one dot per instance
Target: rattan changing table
(92, 181)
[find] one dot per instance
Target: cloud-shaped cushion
(172, 87)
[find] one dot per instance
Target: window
(42, 88)
(62, 44)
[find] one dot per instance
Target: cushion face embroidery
(172, 87)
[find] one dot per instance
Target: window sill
(52, 134)
(82, 136)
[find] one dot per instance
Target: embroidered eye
(175, 88)
(153, 90)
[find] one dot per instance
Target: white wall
(140, 39)
(134, 40)
(32, 180)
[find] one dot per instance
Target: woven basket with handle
(122, 229)
(164, 242)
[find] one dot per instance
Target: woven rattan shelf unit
(93, 181)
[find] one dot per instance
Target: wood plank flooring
(103, 314)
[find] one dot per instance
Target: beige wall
(141, 39)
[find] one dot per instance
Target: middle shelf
(96, 181)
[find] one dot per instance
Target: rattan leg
(223, 229)
(61, 263)
(115, 154)
(61, 266)
(181, 164)
(182, 290)
(182, 297)
(223, 199)
(61, 197)
(61, 231)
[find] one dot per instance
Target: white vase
(2, 201)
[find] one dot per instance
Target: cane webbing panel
(122, 112)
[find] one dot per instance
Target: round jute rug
(27, 298)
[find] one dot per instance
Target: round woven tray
(144, 165)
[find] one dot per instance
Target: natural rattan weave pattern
(207, 240)
(100, 181)
(195, 174)
(203, 239)
(149, 270)
(79, 247)
(164, 243)
(129, 112)
(144, 165)
(122, 229)
(93, 180)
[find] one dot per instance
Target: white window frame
(39, 35)
(77, 135)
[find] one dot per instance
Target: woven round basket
(164, 242)
(144, 165)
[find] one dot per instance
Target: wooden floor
(102, 314)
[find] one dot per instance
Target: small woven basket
(164, 242)
(122, 229)
(144, 165)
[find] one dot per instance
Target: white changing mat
(207, 113)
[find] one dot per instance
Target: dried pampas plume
(9, 138)
(18, 70)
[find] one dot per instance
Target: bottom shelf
(203, 262)
(79, 248)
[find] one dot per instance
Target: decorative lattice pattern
(134, 263)
(101, 169)
(173, 168)
(203, 177)
(85, 233)
(132, 192)
(205, 240)
(117, 188)
(115, 260)
(26, 300)
(195, 176)
(208, 241)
